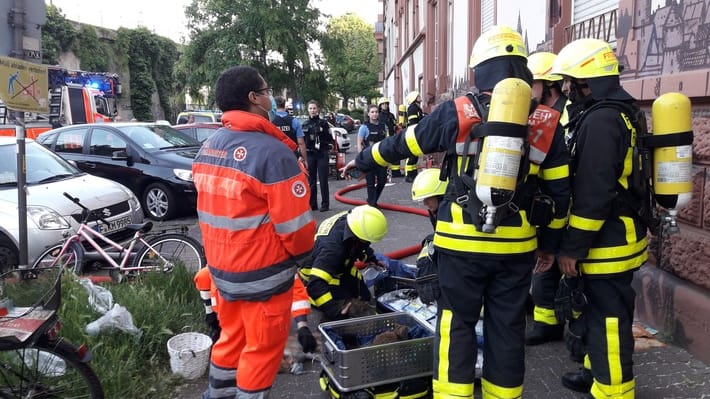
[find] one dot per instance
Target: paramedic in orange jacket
(300, 308)
(253, 211)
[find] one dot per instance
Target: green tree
(57, 35)
(272, 36)
(350, 53)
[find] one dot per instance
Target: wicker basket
(373, 365)
(189, 354)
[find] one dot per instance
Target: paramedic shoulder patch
(298, 188)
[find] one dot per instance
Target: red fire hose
(397, 254)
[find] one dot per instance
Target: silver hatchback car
(50, 216)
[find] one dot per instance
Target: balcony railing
(602, 27)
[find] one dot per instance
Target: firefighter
(605, 241)
(333, 281)
(546, 90)
(429, 189)
(300, 308)
(414, 115)
(386, 116)
(476, 266)
(252, 207)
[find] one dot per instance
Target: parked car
(198, 116)
(153, 160)
(51, 216)
(346, 122)
(199, 131)
(339, 134)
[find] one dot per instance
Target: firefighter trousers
(544, 289)
(467, 283)
(609, 316)
(252, 341)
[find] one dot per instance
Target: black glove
(333, 310)
(306, 339)
(214, 328)
(569, 298)
(427, 281)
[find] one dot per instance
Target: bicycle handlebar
(87, 211)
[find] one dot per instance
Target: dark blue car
(153, 160)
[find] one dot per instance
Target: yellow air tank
(672, 151)
(502, 147)
(402, 115)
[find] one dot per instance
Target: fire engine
(75, 97)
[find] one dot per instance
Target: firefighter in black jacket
(475, 266)
(333, 280)
(318, 140)
(414, 115)
(605, 241)
(546, 90)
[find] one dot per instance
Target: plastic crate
(367, 366)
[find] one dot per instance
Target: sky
(167, 18)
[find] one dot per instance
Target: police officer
(373, 131)
(476, 266)
(291, 127)
(605, 241)
(333, 280)
(546, 90)
(414, 115)
(318, 140)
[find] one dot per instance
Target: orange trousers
(253, 339)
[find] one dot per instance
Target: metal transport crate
(367, 366)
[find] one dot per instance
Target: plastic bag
(100, 298)
(118, 318)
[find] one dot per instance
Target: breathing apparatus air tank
(402, 115)
(672, 153)
(502, 147)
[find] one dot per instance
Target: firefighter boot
(578, 381)
(542, 333)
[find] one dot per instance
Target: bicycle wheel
(175, 248)
(49, 369)
(70, 260)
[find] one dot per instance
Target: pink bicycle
(147, 251)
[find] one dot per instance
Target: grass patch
(162, 305)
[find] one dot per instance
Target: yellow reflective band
(411, 141)
(465, 238)
(410, 168)
(377, 156)
(621, 251)
(417, 395)
(630, 229)
(585, 224)
(545, 316)
(322, 274)
(613, 350)
(614, 266)
(444, 346)
(624, 390)
(493, 391)
(323, 299)
(534, 169)
(587, 363)
(559, 172)
(386, 395)
(450, 390)
(485, 247)
(558, 223)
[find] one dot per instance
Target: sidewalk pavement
(662, 371)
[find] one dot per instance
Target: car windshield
(158, 137)
(43, 166)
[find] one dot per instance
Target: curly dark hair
(233, 87)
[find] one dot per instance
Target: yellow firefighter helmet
(412, 97)
(427, 184)
(383, 100)
(586, 58)
(540, 64)
(500, 40)
(367, 223)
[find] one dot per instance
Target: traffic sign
(23, 85)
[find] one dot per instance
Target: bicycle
(35, 362)
(159, 250)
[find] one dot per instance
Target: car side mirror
(120, 155)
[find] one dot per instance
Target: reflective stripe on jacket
(254, 215)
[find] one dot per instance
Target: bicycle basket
(30, 291)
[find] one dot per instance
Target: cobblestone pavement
(662, 371)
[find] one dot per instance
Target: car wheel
(8, 255)
(159, 202)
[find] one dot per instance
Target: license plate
(114, 225)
